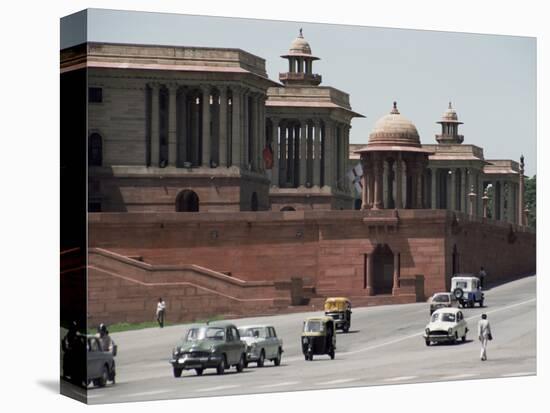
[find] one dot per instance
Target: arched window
(254, 202)
(95, 150)
(187, 201)
(287, 208)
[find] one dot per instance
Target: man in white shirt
(161, 308)
(484, 334)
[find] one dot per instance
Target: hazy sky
(491, 80)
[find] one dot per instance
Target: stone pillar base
(395, 291)
(368, 291)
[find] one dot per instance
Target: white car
(262, 344)
(446, 324)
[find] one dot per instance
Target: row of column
(207, 125)
(309, 153)
(392, 183)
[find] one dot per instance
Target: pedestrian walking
(482, 274)
(484, 334)
(161, 309)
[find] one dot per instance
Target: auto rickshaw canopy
(337, 304)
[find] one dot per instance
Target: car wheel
(177, 372)
(277, 361)
(464, 338)
(306, 357)
(240, 365)
(427, 342)
(245, 363)
(199, 371)
(102, 381)
(261, 360)
(455, 339)
(331, 354)
(221, 367)
(346, 328)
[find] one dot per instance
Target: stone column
(364, 192)
(255, 138)
(434, 188)
(495, 200)
(418, 177)
(453, 189)
(464, 190)
(317, 151)
(502, 198)
(377, 184)
(283, 150)
(223, 127)
(329, 153)
(182, 128)
(396, 273)
(370, 266)
(275, 148)
(303, 152)
(399, 182)
(172, 124)
(346, 159)
(155, 125)
(370, 183)
(385, 183)
(263, 137)
(246, 130)
(236, 136)
(206, 143)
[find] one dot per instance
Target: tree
(531, 200)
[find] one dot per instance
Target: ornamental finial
(395, 110)
(301, 35)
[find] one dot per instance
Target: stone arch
(254, 202)
(383, 268)
(287, 208)
(95, 150)
(187, 201)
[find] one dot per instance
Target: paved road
(384, 346)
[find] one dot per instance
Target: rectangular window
(95, 95)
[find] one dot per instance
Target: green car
(215, 345)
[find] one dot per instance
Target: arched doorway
(187, 201)
(254, 202)
(383, 270)
(95, 150)
(287, 208)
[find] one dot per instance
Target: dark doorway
(287, 208)
(187, 201)
(254, 202)
(95, 150)
(383, 270)
(455, 267)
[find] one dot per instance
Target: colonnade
(309, 152)
(392, 180)
(205, 125)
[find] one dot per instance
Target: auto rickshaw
(318, 337)
(339, 309)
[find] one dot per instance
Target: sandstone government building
(227, 192)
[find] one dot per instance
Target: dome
(300, 47)
(449, 115)
(394, 130)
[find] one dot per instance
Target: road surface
(384, 346)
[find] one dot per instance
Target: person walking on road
(484, 334)
(161, 308)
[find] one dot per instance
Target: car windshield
(313, 326)
(448, 317)
(252, 332)
(205, 333)
(441, 298)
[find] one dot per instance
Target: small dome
(449, 115)
(300, 46)
(394, 130)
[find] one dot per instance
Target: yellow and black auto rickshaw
(339, 309)
(318, 337)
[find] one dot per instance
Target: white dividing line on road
(460, 376)
(229, 386)
(402, 378)
(397, 340)
(340, 381)
(146, 393)
(286, 383)
(524, 373)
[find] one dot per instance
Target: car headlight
(450, 331)
(175, 351)
(427, 331)
(212, 349)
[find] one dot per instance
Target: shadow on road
(349, 332)
(51, 385)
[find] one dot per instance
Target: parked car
(214, 345)
(446, 324)
(466, 288)
(262, 344)
(442, 300)
(339, 308)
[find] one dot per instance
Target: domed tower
(449, 127)
(300, 64)
(394, 164)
